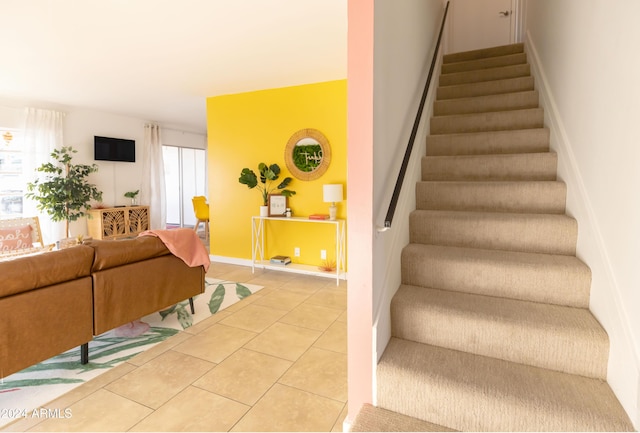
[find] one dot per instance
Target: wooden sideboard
(117, 222)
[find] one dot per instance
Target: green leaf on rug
(242, 291)
(184, 317)
(168, 311)
(216, 299)
(7, 384)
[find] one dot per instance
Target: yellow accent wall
(248, 128)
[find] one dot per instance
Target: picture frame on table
(277, 205)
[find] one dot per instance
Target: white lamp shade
(332, 193)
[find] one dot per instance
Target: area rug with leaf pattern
(37, 385)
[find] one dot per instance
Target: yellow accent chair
(201, 209)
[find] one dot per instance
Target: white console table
(258, 228)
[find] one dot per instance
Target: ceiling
(159, 60)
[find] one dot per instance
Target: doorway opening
(185, 171)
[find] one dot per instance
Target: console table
(257, 247)
(117, 222)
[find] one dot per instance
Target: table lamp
(331, 194)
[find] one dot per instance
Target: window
(12, 183)
(185, 171)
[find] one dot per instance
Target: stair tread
(487, 103)
(557, 337)
(551, 278)
(484, 63)
(490, 167)
(489, 142)
(529, 398)
(376, 419)
(495, 87)
(483, 53)
(529, 232)
(483, 75)
(526, 196)
(526, 118)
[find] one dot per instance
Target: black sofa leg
(193, 309)
(84, 353)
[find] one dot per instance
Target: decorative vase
(264, 211)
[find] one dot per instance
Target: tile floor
(275, 361)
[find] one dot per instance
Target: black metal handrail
(407, 154)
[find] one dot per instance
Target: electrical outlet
(296, 252)
(323, 254)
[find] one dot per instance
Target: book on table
(319, 216)
(281, 260)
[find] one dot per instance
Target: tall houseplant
(268, 175)
(64, 193)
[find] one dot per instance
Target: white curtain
(153, 190)
(43, 132)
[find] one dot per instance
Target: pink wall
(360, 212)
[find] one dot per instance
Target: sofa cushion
(15, 238)
(109, 254)
(42, 270)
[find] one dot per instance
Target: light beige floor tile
(332, 298)
(311, 316)
(240, 275)
(334, 338)
(218, 268)
(254, 318)
(271, 278)
(339, 425)
(160, 348)
(160, 379)
(244, 376)
(208, 322)
(194, 409)
(308, 284)
(282, 299)
(101, 411)
(286, 409)
(343, 317)
(284, 341)
(320, 372)
(216, 343)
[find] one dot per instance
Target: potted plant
(64, 193)
(268, 175)
(132, 195)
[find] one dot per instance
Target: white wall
(112, 178)
(404, 41)
(586, 62)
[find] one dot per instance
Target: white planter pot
(264, 211)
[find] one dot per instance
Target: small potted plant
(268, 175)
(132, 195)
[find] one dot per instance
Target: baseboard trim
(230, 260)
(624, 359)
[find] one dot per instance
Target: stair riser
(499, 121)
(516, 197)
(563, 339)
(485, 75)
(559, 280)
(489, 63)
(465, 56)
(497, 87)
(486, 104)
(547, 234)
(522, 141)
(536, 167)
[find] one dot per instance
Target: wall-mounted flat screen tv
(114, 149)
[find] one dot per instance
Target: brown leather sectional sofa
(54, 301)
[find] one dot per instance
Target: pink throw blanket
(184, 244)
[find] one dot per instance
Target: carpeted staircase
(491, 327)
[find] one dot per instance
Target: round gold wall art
(307, 154)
